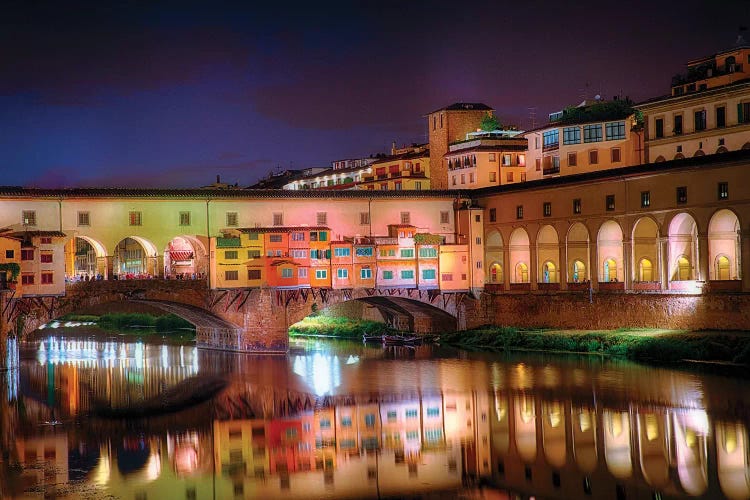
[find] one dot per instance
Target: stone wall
(718, 311)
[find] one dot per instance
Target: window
(556, 163)
(615, 131)
(363, 251)
(572, 159)
(231, 255)
(10, 254)
(428, 252)
(342, 273)
(521, 160)
(507, 160)
(298, 253)
(411, 413)
(342, 252)
(47, 278)
(232, 219)
(274, 238)
(743, 112)
(547, 208)
(445, 217)
(278, 219)
(723, 192)
(321, 218)
(610, 202)
(286, 272)
(27, 279)
(454, 180)
(387, 252)
(615, 155)
(477, 218)
(592, 133)
(493, 177)
(577, 206)
(27, 254)
(478, 240)
(700, 120)
(509, 176)
(45, 240)
(184, 218)
(28, 217)
(364, 218)
(365, 273)
(645, 199)
(253, 254)
(417, 185)
(84, 219)
(536, 142)
(231, 275)
(551, 139)
(678, 125)
(253, 274)
(571, 135)
(321, 274)
(519, 212)
(387, 275)
(45, 257)
(538, 165)
(493, 214)
(471, 177)
(428, 274)
(302, 272)
(405, 218)
(446, 276)
(593, 157)
(721, 117)
(681, 195)
(407, 253)
(134, 218)
(298, 236)
(492, 156)
(659, 128)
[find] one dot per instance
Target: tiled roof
(403, 156)
(281, 229)
(464, 106)
(35, 233)
(498, 148)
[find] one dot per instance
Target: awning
(176, 255)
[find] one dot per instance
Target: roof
(720, 53)
(464, 106)
(214, 194)
(35, 233)
(741, 156)
(496, 148)
(403, 156)
(692, 95)
(281, 229)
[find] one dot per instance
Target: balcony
(382, 176)
(551, 171)
(551, 147)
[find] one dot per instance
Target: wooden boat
(401, 339)
(372, 338)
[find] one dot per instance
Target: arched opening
(699, 153)
(549, 272)
(547, 249)
(609, 243)
(85, 259)
(579, 271)
(679, 156)
(134, 258)
(724, 246)
(522, 273)
(746, 145)
(683, 247)
(659, 159)
(577, 243)
(496, 273)
(519, 255)
(645, 270)
(184, 258)
(645, 249)
(721, 149)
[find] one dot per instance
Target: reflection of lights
(584, 421)
(186, 459)
(652, 426)
(153, 467)
(554, 414)
(320, 371)
(352, 360)
(102, 471)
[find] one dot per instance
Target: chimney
(218, 179)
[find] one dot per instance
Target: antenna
(532, 116)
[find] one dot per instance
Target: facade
(707, 112)
(447, 125)
(486, 159)
(405, 169)
(579, 140)
(343, 174)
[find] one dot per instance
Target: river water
(345, 420)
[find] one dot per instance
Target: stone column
(533, 264)
(703, 274)
(562, 253)
(506, 268)
(627, 264)
(593, 270)
(109, 267)
(4, 296)
(745, 261)
(663, 262)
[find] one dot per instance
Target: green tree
(490, 123)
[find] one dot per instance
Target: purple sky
(172, 95)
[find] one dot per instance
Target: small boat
(401, 339)
(372, 338)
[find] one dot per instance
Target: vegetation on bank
(138, 323)
(633, 344)
(344, 328)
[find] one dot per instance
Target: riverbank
(649, 345)
(130, 324)
(336, 327)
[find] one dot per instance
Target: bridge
(249, 320)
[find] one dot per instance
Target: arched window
(579, 271)
(659, 159)
(610, 270)
(722, 268)
(496, 273)
(549, 272)
(645, 270)
(683, 269)
(522, 273)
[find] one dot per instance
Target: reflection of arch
(553, 433)
(724, 241)
(733, 460)
(496, 273)
(659, 159)
(683, 244)
(699, 153)
(522, 273)
(584, 440)
(525, 423)
(653, 449)
(691, 452)
(617, 452)
(721, 149)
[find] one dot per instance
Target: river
(346, 420)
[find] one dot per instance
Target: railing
(551, 171)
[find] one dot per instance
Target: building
(277, 180)
(707, 111)
(405, 169)
(594, 135)
(447, 125)
(343, 174)
(486, 159)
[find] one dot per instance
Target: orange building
(487, 159)
(405, 169)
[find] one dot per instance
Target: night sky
(170, 95)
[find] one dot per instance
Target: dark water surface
(343, 420)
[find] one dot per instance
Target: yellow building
(595, 135)
(486, 159)
(405, 169)
(10, 259)
(707, 112)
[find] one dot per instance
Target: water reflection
(355, 421)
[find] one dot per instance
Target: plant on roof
(600, 111)
(11, 267)
(489, 123)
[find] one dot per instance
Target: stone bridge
(252, 320)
